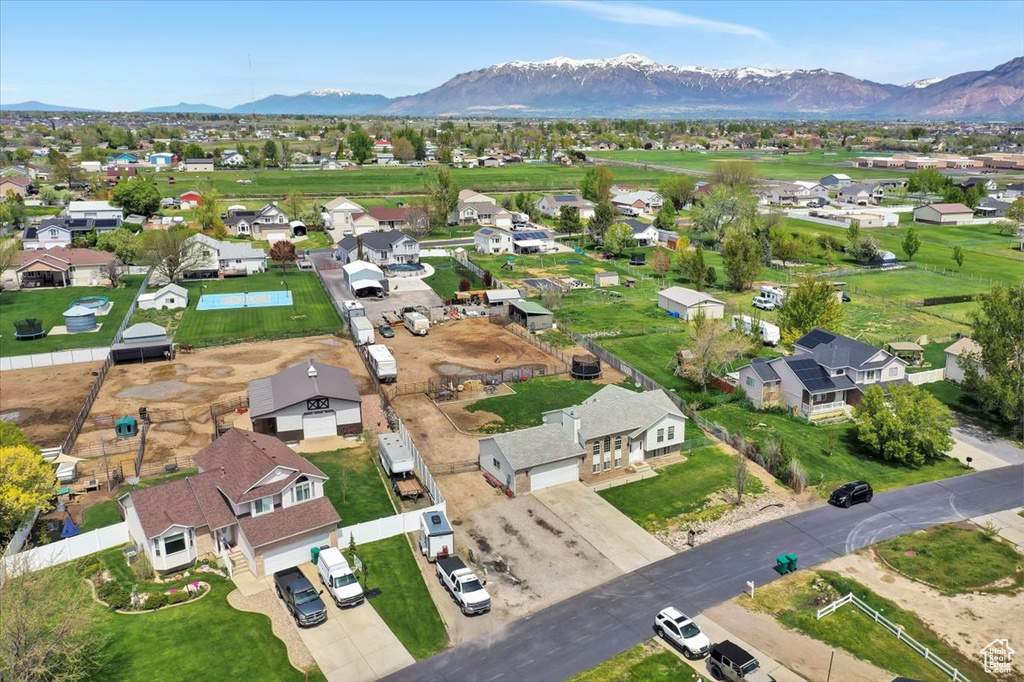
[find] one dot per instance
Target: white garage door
(292, 553)
(319, 425)
(547, 475)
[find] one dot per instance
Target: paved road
(578, 633)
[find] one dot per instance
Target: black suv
(852, 493)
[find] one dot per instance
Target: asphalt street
(582, 631)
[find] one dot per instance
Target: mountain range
(635, 86)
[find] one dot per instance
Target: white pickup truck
(338, 578)
(466, 589)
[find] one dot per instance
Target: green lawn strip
(107, 513)
(49, 304)
(645, 662)
(448, 274)
(311, 313)
(795, 603)
(954, 558)
(680, 492)
(934, 357)
(355, 488)
(404, 603)
(911, 285)
(531, 399)
(809, 444)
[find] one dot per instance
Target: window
(317, 404)
(597, 464)
(597, 449)
(607, 443)
(174, 544)
(661, 435)
(618, 452)
(302, 492)
(750, 382)
(156, 547)
(495, 463)
(263, 505)
(671, 432)
(893, 371)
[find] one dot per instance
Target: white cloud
(629, 13)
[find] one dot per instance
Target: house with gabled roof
(380, 219)
(551, 205)
(307, 400)
(613, 429)
(246, 223)
(228, 258)
(825, 377)
(58, 266)
(339, 211)
(54, 233)
(380, 248)
(254, 501)
(643, 201)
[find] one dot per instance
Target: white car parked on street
(676, 627)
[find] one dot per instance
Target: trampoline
(574, 261)
(255, 299)
(94, 302)
(542, 284)
(27, 330)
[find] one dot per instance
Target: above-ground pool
(254, 299)
(406, 267)
(94, 302)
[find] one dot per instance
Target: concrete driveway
(611, 532)
(353, 644)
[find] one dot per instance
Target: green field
(531, 399)
(49, 304)
(355, 487)
(447, 276)
(809, 444)
(379, 181)
(312, 312)
(810, 166)
(645, 662)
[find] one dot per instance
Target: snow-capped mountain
(923, 83)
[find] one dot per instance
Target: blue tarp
(70, 529)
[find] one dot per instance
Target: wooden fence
(218, 410)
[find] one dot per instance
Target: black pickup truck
(300, 597)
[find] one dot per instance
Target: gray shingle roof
(538, 445)
(378, 241)
(294, 385)
(614, 409)
(835, 350)
(763, 369)
(687, 297)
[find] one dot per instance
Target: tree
(679, 189)
(995, 375)
(294, 204)
(12, 209)
(813, 303)
(927, 181)
(206, 213)
(10, 251)
(403, 149)
(660, 261)
(173, 252)
(908, 425)
(192, 151)
(742, 256)
(62, 169)
(958, 256)
(861, 248)
(417, 221)
(137, 195)
(114, 271)
(12, 436)
(721, 209)
(783, 246)
(1016, 211)
(596, 184)
(619, 239)
(27, 482)
(270, 153)
(694, 268)
(283, 253)
(465, 284)
(604, 216)
(713, 347)
(569, 220)
(742, 476)
(361, 145)
(443, 194)
(666, 218)
(911, 243)
(736, 174)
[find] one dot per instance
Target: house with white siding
(308, 400)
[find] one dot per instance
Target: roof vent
(311, 372)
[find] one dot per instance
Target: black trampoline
(585, 367)
(29, 329)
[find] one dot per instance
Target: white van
(337, 576)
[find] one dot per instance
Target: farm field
(49, 304)
(312, 312)
(377, 181)
(809, 166)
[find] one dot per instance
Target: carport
(533, 316)
(141, 342)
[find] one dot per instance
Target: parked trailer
(770, 334)
(362, 331)
(416, 323)
(395, 455)
(437, 539)
(384, 364)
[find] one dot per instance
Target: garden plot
(44, 402)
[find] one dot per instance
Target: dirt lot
(184, 389)
(44, 402)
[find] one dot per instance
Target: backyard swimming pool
(406, 267)
(94, 302)
(255, 299)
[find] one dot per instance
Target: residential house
(381, 146)
(988, 184)
(962, 351)
(535, 241)
(613, 429)
(836, 180)
(227, 258)
(380, 248)
(380, 219)
(168, 297)
(256, 224)
(232, 159)
(54, 234)
(491, 240)
(83, 210)
(688, 303)
(861, 195)
(825, 377)
(943, 214)
(385, 160)
(992, 208)
(474, 208)
(253, 501)
(201, 164)
(117, 173)
(79, 227)
(17, 184)
(163, 159)
(646, 234)
(338, 214)
(640, 200)
(304, 401)
(551, 205)
(490, 161)
(798, 193)
(1014, 190)
(58, 267)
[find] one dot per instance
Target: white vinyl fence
(67, 550)
(929, 377)
(61, 357)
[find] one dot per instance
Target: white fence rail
(68, 550)
(379, 529)
(929, 377)
(60, 357)
(897, 630)
(21, 535)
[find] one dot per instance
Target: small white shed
(687, 302)
(167, 297)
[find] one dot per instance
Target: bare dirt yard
(44, 402)
(179, 393)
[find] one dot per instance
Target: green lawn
(934, 357)
(404, 602)
(107, 513)
(447, 276)
(958, 400)
(312, 312)
(680, 492)
(531, 400)
(809, 444)
(49, 304)
(796, 600)
(645, 662)
(355, 487)
(316, 240)
(953, 558)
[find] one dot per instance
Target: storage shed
(364, 279)
(502, 296)
(606, 279)
(141, 342)
(687, 302)
(943, 214)
(533, 316)
(169, 297)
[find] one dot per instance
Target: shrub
(118, 597)
(142, 568)
(155, 600)
(89, 568)
(177, 597)
(796, 477)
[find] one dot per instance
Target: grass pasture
(531, 399)
(49, 304)
(311, 313)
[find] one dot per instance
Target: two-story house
(97, 210)
(491, 240)
(253, 500)
(256, 224)
(642, 201)
(862, 195)
(380, 248)
(338, 214)
(825, 377)
(55, 233)
(551, 206)
(228, 258)
(613, 429)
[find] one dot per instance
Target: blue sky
(130, 55)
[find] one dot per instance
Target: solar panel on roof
(816, 337)
(520, 236)
(810, 374)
